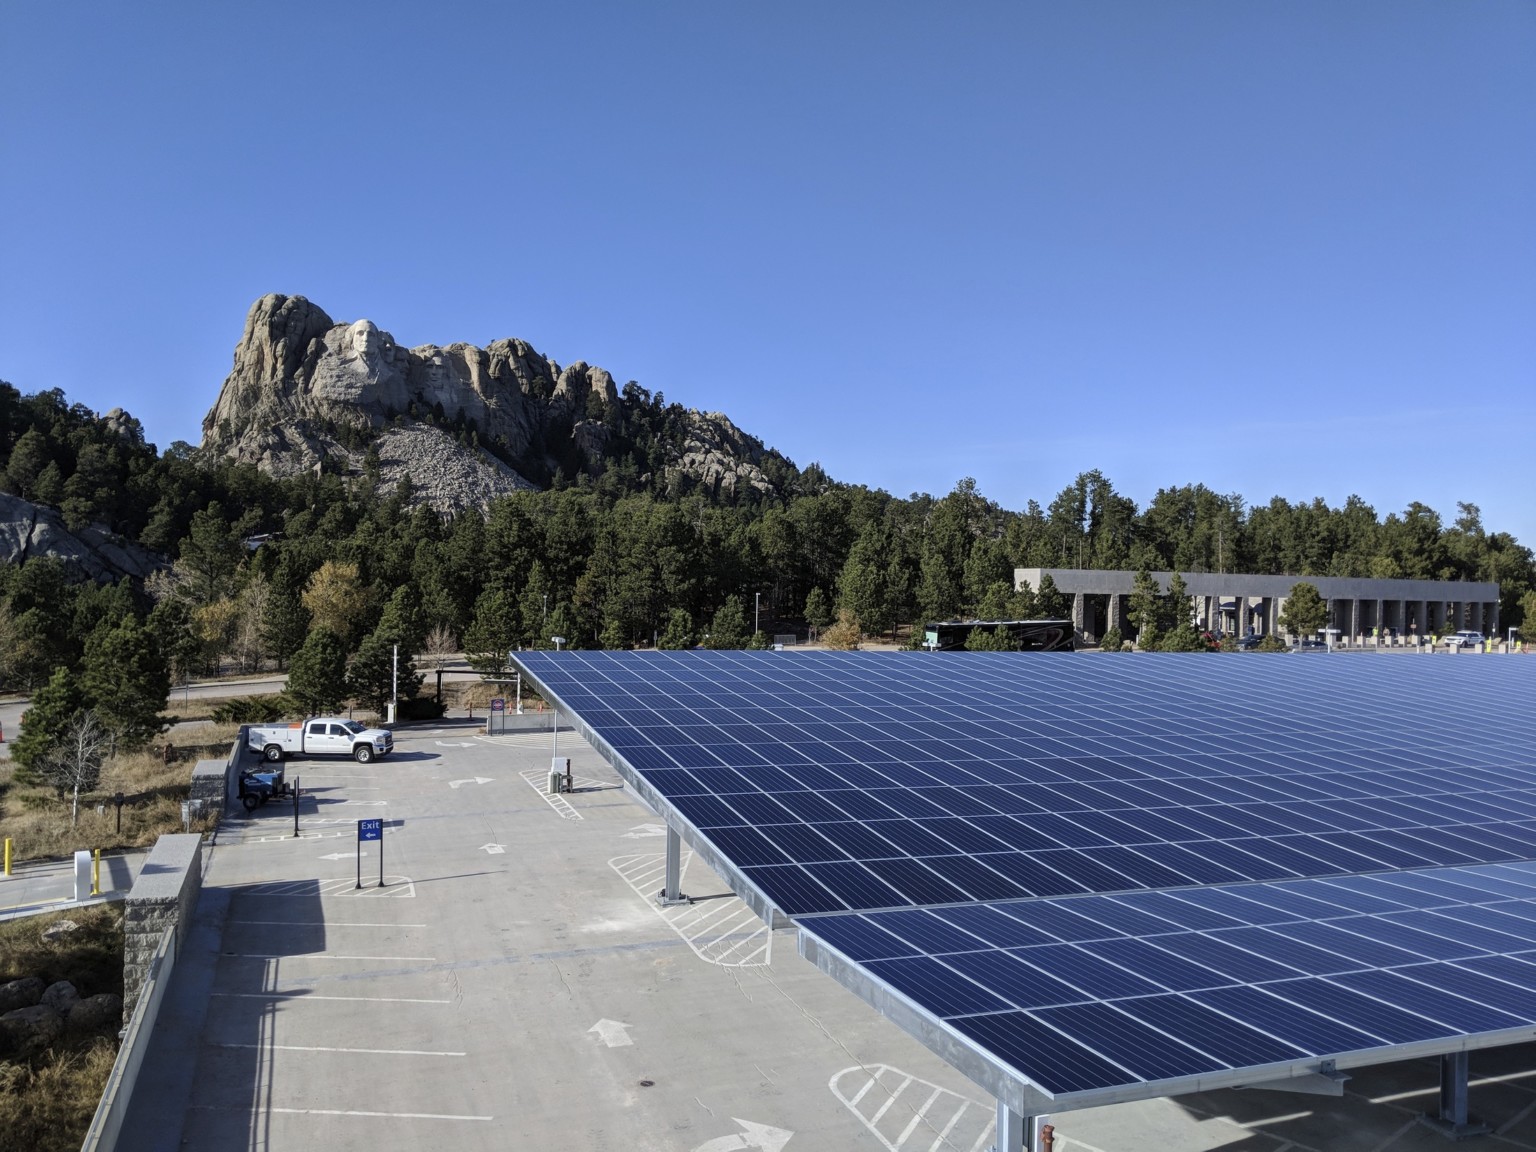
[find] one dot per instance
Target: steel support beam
(1454, 1121)
(672, 892)
(1017, 1133)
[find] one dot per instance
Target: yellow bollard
(96, 872)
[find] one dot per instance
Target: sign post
(370, 830)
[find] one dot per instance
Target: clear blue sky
(1275, 248)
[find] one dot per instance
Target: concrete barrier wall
(162, 897)
(108, 1121)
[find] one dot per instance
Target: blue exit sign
(370, 829)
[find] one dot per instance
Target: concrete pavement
(49, 885)
(513, 985)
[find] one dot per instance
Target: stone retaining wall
(163, 896)
(208, 785)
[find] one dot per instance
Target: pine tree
(44, 724)
(679, 631)
(317, 678)
(125, 682)
(729, 627)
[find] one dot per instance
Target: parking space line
(363, 1051)
(314, 996)
(321, 956)
(323, 923)
(353, 1112)
(383, 1115)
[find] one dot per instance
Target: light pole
(558, 640)
(757, 611)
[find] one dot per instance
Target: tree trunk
(74, 807)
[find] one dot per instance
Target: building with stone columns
(1239, 603)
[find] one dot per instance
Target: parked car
(1308, 645)
(1464, 639)
(1249, 642)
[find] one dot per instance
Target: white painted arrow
(751, 1136)
(337, 856)
(612, 1033)
(641, 831)
(493, 849)
(471, 780)
(454, 743)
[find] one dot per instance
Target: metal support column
(1454, 1121)
(672, 892)
(1017, 1133)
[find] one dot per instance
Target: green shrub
(254, 710)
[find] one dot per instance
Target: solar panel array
(986, 784)
(1097, 991)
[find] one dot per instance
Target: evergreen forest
(323, 573)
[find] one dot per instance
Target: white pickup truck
(322, 736)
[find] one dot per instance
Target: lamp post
(558, 640)
(757, 611)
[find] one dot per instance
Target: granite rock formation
(28, 530)
(466, 424)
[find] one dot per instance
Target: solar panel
(1106, 878)
(1277, 985)
(1043, 786)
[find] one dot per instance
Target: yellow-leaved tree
(334, 597)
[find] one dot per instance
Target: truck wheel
(273, 753)
(250, 800)
(363, 753)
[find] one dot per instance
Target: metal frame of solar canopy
(981, 1064)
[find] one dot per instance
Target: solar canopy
(1083, 879)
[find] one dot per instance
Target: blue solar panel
(1112, 872)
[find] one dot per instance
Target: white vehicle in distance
(321, 736)
(1464, 639)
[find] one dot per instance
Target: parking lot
(513, 985)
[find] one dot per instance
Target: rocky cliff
(466, 424)
(29, 530)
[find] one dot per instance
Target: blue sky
(1275, 248)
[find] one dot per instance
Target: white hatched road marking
(398, 887)
(928, 1118)
(724, 931)
(538, 780)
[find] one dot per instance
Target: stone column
(1116, 613)
(1493, 617)
(1079, 610)
(163, 896)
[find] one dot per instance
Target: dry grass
(90, 958)
(37, 821)
(46, 1104)
(48, 1108)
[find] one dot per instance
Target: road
(11, 707)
